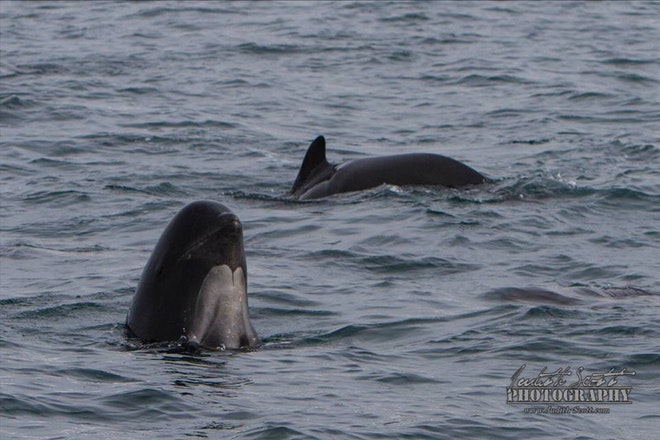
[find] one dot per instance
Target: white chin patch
(221, 306)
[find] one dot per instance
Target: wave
(209, 123)
(163, 189)
(59, 198)
(158, 11)
(570, 296)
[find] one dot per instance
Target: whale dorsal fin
(313, 164)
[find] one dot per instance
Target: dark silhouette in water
(317, 178)
(195, 282)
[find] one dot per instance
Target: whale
(317, 178)
(194, 285)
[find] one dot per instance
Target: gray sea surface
(396, 312)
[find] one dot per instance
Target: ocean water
(391, 313)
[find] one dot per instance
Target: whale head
(195, 282)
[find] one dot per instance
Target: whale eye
(235, 225)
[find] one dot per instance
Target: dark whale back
(318, 178)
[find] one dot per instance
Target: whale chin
(221, 315)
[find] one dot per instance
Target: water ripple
(391, 313)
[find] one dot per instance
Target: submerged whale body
(195, 282)
(317, 178)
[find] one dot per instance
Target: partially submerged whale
(317, 178)
(195, 283)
